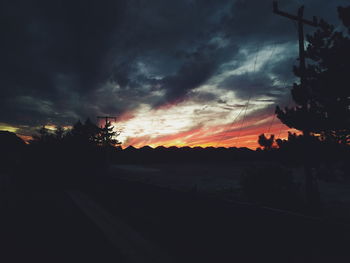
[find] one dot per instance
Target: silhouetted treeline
(298, 149)
(74, 156)
(64, 156)
(182, 155)
(287, 151)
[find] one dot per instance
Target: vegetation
(266, 143)
(322, 110)
(323, 104)
(107, 137)
(68, 155)
(81, 133)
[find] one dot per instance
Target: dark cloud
(253, 21)
(196, 70)
(54, 52)
(250, 85)
(62, 59)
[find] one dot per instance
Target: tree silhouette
(43, 136)
(59, 133)
(325, 92)
(293, 140)
(323, 101)
(265, 142)
(107, 137)
(86, 132)
(344, 14)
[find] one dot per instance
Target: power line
(234, 120)
(250, 95)
(273, 119)
(246, 106)
(276, 10)
(274, 114)
(281, 126)
(242, 107)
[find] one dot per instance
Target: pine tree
(323, 101)
(326, 93)
(107, 137)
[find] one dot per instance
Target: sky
(174, 73)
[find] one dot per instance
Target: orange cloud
(228, 135)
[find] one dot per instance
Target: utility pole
(106, 118)
(105, 137)
(301, 21)
(309, 188)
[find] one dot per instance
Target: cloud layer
(199, 62)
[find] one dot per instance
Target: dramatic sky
(184, 72)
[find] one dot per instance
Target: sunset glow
(198, 79)
(210, 126)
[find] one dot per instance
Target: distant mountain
(174, 154)
(146, 148)
(130, 148)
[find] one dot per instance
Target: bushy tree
(85, 132)
(265, 142)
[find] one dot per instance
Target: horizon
(280, 131)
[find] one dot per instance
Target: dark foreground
(110, 220)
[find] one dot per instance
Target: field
(224, 181)
(166, 213)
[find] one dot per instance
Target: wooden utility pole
(301, 21)
(107, 150)
(106, 118)
(309, 189)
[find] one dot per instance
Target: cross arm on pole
(277, 11)
(106, 118)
